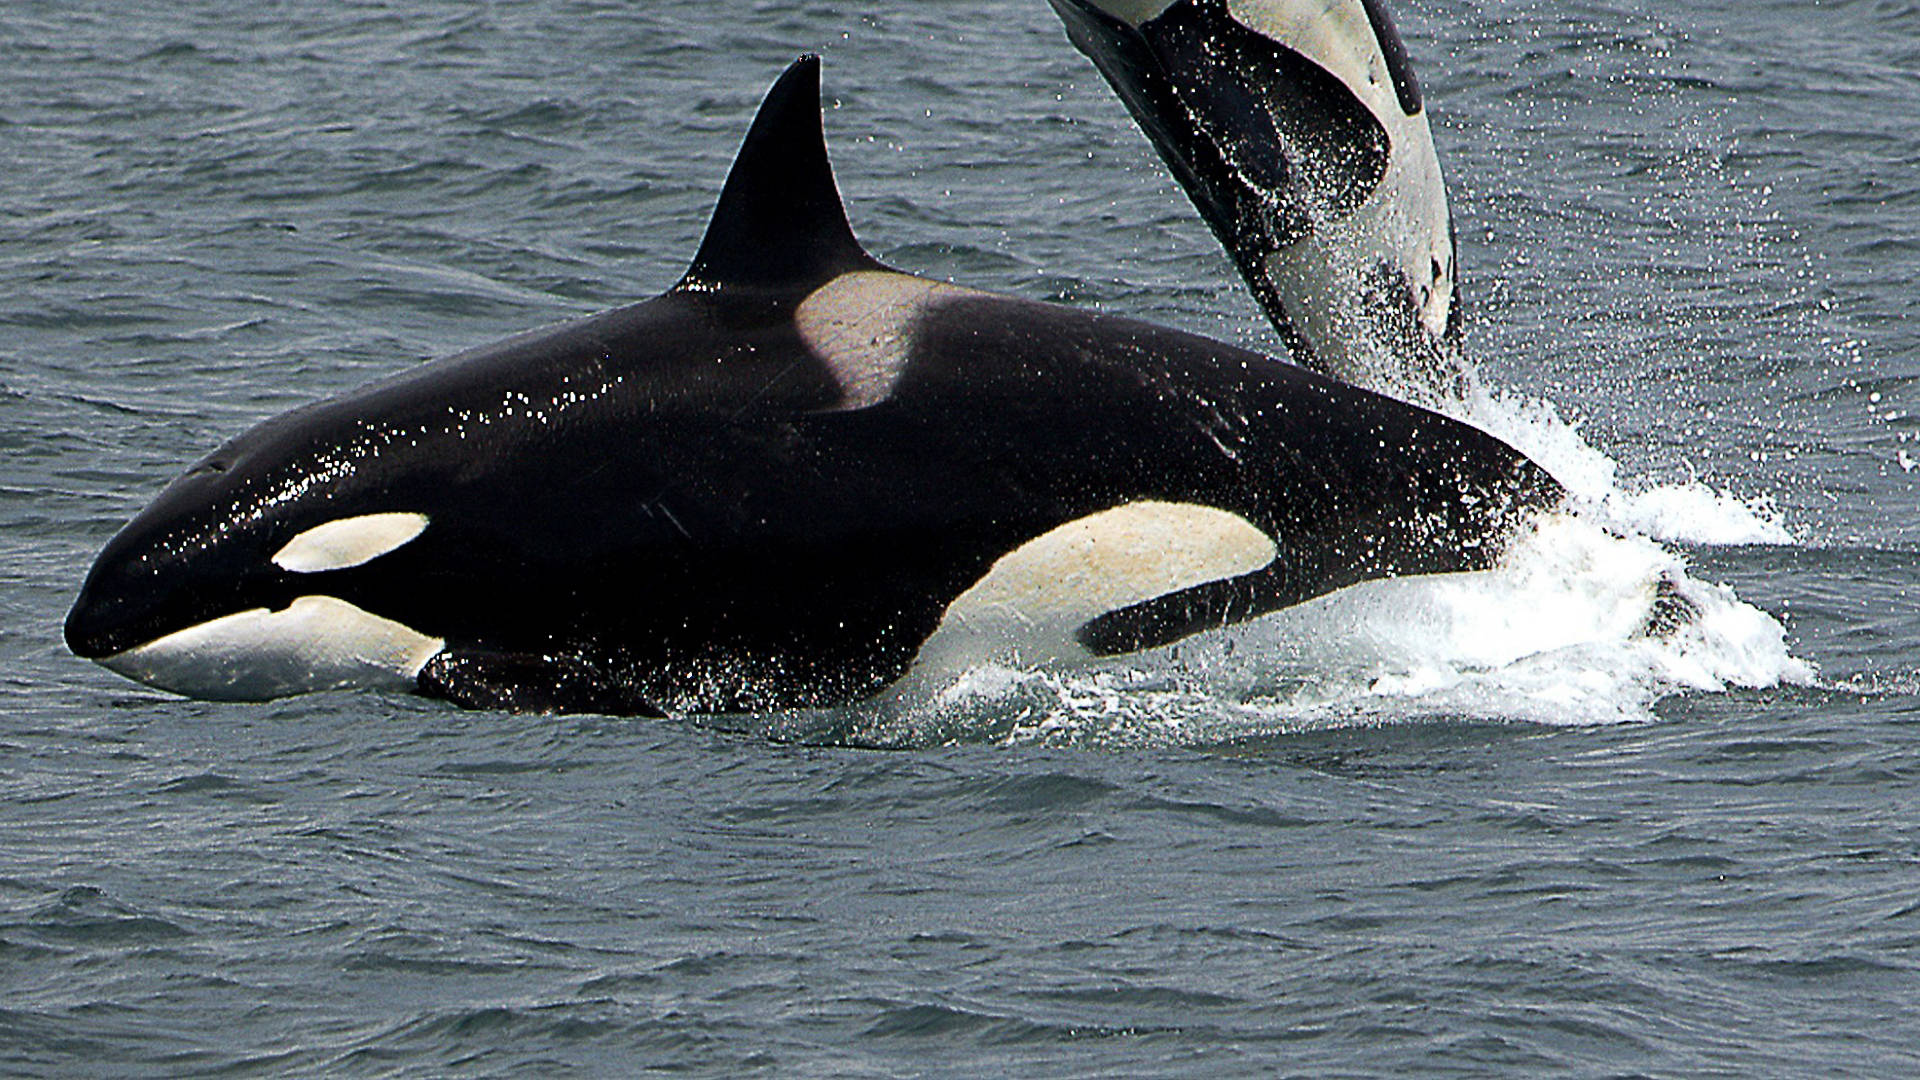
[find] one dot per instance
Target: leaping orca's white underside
(779, 484)
(1299, 130)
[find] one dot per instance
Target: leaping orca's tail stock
(1298, 129)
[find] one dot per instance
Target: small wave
(84, 915)
(930, 1021)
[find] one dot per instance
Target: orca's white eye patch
(349, 542)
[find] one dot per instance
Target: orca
(1299, 131)
(776, 485)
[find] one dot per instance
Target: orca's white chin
(316, 643)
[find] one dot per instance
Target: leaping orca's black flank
(1299, 131)
(784, 482)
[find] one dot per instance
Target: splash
(1689, 513)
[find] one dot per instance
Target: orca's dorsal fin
(780, 220)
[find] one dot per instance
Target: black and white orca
(779, 484)
(1298, 129)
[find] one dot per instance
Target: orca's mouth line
(313, 643)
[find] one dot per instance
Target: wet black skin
(667, 507)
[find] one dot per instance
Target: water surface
(1466, 828)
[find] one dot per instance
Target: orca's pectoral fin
(478, 678)
(1166, 619)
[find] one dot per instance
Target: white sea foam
(1589, 619)
(1690, 513)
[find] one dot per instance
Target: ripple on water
(85, 916)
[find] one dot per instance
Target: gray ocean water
(1691, 235)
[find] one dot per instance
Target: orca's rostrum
(780, 484)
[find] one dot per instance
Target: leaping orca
(778, 484)
(1299, 130)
